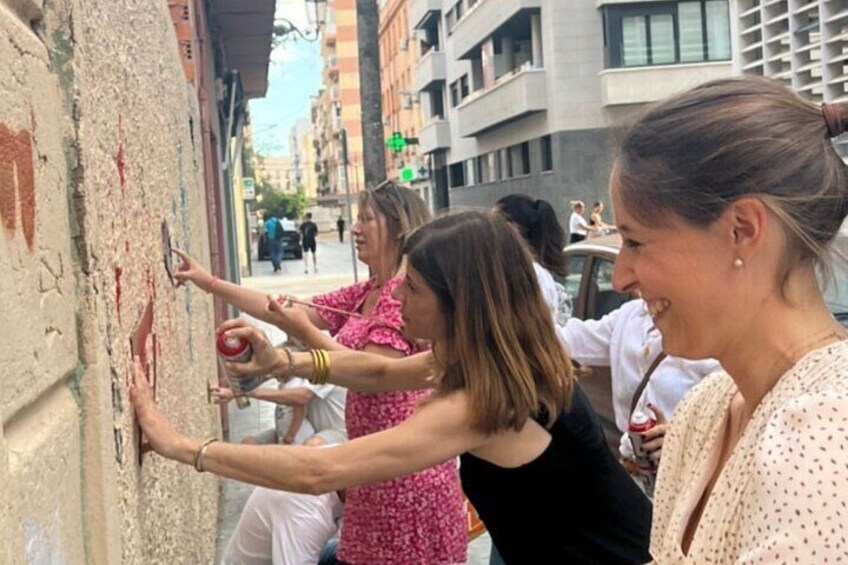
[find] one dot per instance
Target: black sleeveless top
(572, 504)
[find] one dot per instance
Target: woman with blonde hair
(418, 518)
(505, 401)
(728, 197)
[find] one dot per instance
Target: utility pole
(373, 150)
(343, 135)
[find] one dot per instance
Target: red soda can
(640, 422)
(237, 350)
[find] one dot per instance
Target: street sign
(396, 142)
(248, 188)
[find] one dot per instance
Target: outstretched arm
(367, 372)
(436, 432)
(250, 301)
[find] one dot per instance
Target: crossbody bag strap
(645, 380)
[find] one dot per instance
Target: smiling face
(684, 274)
(422, 313)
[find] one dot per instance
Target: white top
(781, 496)
(625, 341)
(577, 224)
(327, 410)
(554, 294)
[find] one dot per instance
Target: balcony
(483, 19)
(431, 70)
(639, 85)
(513, 97)
(420, 12)
(434, 136)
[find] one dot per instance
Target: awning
(246, 27)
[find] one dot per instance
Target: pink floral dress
(415, 519)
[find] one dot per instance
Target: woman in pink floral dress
(418, 518)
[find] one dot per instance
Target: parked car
(291, 243)
(589, 282)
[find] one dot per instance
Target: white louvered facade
(801, 42)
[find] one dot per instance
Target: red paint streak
(126, 246)
(17, 183)
(118, 273)
(119, 158)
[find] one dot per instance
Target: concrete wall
(96, 149)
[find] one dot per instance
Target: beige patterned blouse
(782, 496)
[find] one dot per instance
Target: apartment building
(400, 98)
(804, 43)
(302, 153)
(524, 95)
(277, 171)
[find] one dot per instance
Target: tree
(292, 204)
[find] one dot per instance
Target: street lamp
(316, 15)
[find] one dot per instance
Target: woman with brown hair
(505, 401)
(735, 189)
(418, 518)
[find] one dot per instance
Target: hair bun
(833, 118)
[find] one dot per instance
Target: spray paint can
(237, 350)
(640, 422)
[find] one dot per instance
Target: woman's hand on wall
(190, 270)
(164, 438)
(221, 395)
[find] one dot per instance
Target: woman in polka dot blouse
(727, 197)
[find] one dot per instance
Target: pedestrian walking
(340, 224)
(274, 233)
(728, 197)
(505, 402)
(308, 232)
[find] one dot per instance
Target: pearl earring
(738, 263)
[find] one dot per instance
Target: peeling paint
(17, 183)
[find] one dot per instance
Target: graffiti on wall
(17, 183)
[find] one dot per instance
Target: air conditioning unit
(407, 102)
(404, 44)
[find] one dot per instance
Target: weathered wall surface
(98, 133)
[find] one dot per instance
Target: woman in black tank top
(533, 457)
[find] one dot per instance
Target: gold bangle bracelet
(201, 451)
(325, 356)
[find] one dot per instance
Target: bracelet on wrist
(287, 373)
(201, 452)
(320, 366)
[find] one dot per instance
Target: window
(484, 168)
(437, 103)
(602, 298)
(547, 153)
(666, 33)
(519, 157)
(459, 91)
(456, 174)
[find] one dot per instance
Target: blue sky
(293, 76)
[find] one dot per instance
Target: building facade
(278, 171)
(525, 95)
(803, 43)
(302, 153)
(400, 98)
